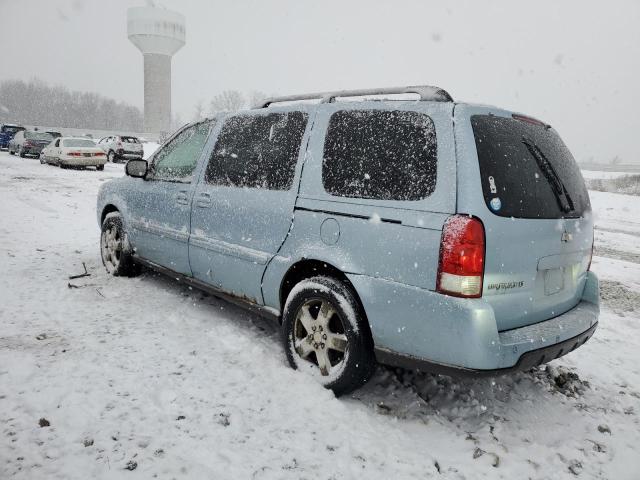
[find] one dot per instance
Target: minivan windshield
(526, 170)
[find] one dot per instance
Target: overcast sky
(574, 64)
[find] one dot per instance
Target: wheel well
(311, 268)
(107, 210)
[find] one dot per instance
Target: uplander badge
(505, 285)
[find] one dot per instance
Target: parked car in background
(55, 134)
(28, 142)
(449, 237)
(7, 131)
(74, 152)
(121, 147)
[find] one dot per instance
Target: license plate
(87, 154)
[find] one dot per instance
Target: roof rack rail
(426, 93)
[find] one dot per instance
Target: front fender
(112, 194)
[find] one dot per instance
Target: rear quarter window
(380, 155)
(526, 170)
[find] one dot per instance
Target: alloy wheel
(319, 335)
(111, 247)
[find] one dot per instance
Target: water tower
(158, 34)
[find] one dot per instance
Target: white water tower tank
(158, 34)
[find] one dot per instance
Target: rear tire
(111, 157)
(11, 152)
(325, 333)
(115, 250)
(21, 153)
(99, 167)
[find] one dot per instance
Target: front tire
(111, 157)
(325, 333)
(114, 247)
(21, 153)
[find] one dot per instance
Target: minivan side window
(257, 151)
(380, 155)
(177, 160)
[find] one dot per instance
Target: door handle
(203, 200)
(182, 198)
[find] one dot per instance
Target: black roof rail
(425, 92)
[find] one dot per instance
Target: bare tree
(256, 96)
(36, 103)
(198, 113)
(227, 101)
(176, 122)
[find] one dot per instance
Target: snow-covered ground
(149, 374)
(594, 174)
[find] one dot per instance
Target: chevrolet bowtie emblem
(566, 237)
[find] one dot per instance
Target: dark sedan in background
(28, 142)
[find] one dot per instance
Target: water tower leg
(157, 93)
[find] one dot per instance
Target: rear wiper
(559, 190)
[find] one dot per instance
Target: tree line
(227, 101)
(36, 103)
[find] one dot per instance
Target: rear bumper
(129, 155)
(35, 150)
(421, 329)
(83, 161)
(527, 360)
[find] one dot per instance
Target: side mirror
(136, 168)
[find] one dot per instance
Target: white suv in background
(123, 147)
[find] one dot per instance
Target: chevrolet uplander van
(422, 233)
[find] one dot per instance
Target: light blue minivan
(373, 226)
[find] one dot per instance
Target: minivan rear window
(380, 155)
(526, 170)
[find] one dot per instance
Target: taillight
(98, 154)
(74, 154)
(461, 266)
(28, 143)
